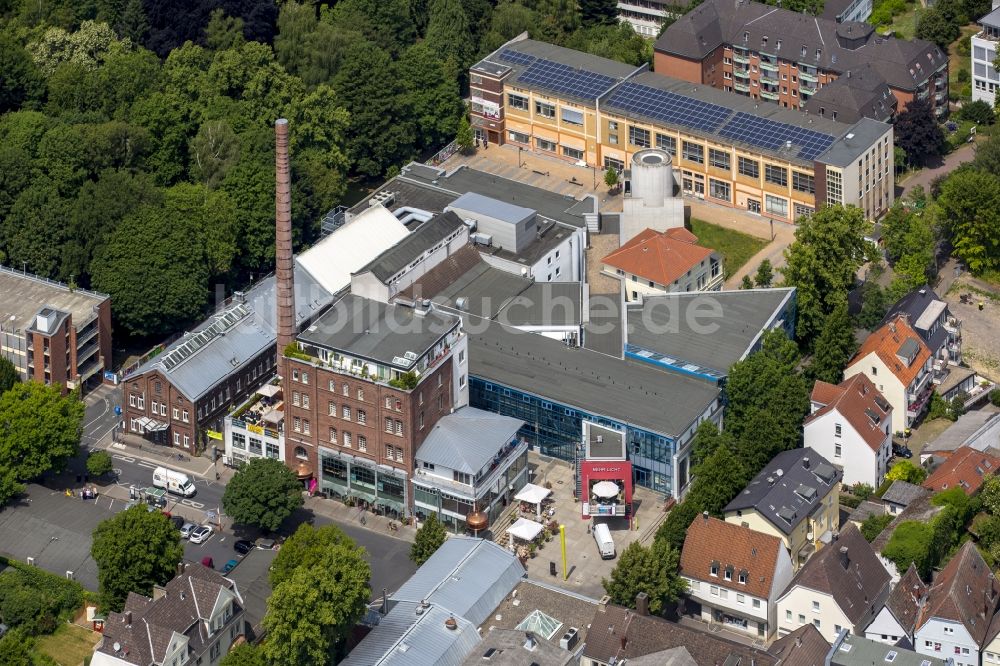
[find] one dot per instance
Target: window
(714, 571)
(802, 618)
(399, 454)
(399, 428)
(517, 102)
(638, 137)
(305, 377)
(545, 145)
(728, 575)
(837, 430)
(305, 426)
(361, 394)
(332, 408)
(177, 439)
(346, 412)
(748, 167)
(271, 450)
(572, 153)
(518, 137)
(156, 407)
(776, 205)
(131, 400)
(305, 401)
(776, 175)
(667, 143)
(572, 116)
(816, 622)
(815, 607)
(718, 158)
(743, 578)
(300, 453)
(803, 182)
(545, 110)
(788, 615)
(346, 390)
(215, 651)
(347, 439)
(295, 398)
(693, 152)
(756, 603)
(388, 402)
(239, 441)
(388, 425)
(388, 452)
(838, 450)
(420, 420)
(740, 599)
(949, 630)
(297, 424)
(333, 435)
(718, 189)
(362, 443)
(801, 210)
(362, 417)
(714, 590)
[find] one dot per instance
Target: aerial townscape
(507, 332)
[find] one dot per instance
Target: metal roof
(412, 247)
(467, 440)
(499, 210)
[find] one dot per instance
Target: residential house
(898, 362)
(659, 262)
(900, 495)
(930, 317)
(803, 647)
(965, 468)
(843, 586)
(898, 618)
(851, 650)
(961, 605)
(984, 53)
(978, 429)
(850, 425)
(795, 498)
(735, 574)
(193, 620)
(617, 634)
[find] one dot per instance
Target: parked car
(186, 529)
(200, 534)
(230, 565)
(901, 451)
(243, 546)
(265, 544)
(178, 521)
(208, 562)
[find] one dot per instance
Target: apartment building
(775, 54)
(749, 154)
(363, 388)
(984, 53)
(646, 17)
(53, 333)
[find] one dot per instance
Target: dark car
(901, 451)
(177, 521)
(243, 546)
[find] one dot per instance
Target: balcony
(766, 66)
(769, 80)
(262, 414)
(953, 325)
(741, 87)
(940, 84)
(806, 76)
(741, 58)
(766, 94)
(741, 73)
(806, 90)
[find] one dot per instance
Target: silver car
(200, 534)
(186, 529)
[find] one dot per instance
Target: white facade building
(256, 429)
(984, 53)
(899, 616)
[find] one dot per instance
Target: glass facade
(557, 430)
(346, 476)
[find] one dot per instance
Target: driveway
(925, 176)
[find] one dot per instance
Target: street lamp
(519, 150)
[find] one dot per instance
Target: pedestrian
(981, 305)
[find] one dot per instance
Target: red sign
(607, 489)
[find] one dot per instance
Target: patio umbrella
(605, 489)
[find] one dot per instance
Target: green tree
(834, 347)
(429, 538)
(244, 655)
(16, 648)
(918, 133)
(935, 27)
(874, 525)
(21, 82)
(8, 375)
(88, 46)
(312, 611)
(674, 528)
(223, 31)
(904, 470)
(386, 23)
(718, 479)
(873, 306)
(133, 24)
(611, 178)
(464, 137)
(304, 549)
(431, 98)
(99, 464)
(448, 33)
(821, 263)
(39, 429)
(746, 283)
(764, 275)
(263, 493)
(970, 207)
(615, 42)
(214, 149)
(599, 12)
(989, 493)
(978, 112)
(653, 570)
(911, 543)
(134, 550)
(987, 154)
(707, 439)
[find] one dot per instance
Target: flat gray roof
(23, 295)
(484, 205)
(550, 236)
(670, 325)
(545, 304)
(860, 651)
(376, 331)
(629, 392)
(854, 143)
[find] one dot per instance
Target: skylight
(539, 623)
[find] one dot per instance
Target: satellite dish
(117, 646)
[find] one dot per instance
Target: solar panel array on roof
(772, 135)
(669, 107)
(561, 78)
(517, 57)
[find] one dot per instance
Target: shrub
(873, 526)
(35, 599)
(862, 491)
(995, 397)
(978, 112)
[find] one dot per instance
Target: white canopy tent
(605, 489)
(268, 390)
(533, 494)
(525, 529)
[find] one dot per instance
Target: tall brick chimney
(284, 262)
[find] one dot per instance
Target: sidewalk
(197, 466)
(339, 512)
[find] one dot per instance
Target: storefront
(380, 487)
(607, 488)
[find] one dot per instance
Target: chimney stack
(642, 603)
(844, 559)
(284, 262)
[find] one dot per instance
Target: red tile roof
(856, 399)
(731, 547)
(886, 343)
(965, 468)
(662, 257)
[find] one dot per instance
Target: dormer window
(804, 50)
(743, 577)
(819, 52)
(714, 569)
(729, 573)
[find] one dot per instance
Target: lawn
(69, 645)
(904, 25)
(958, 61)
(735, 247)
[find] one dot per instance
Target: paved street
(924, 177)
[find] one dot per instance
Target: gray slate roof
(778, 491)
(468, 439)
(376, 331)
(863, 94)
(863, 651)
(745, 314)
(903, 493)
(626, 391)
(843, 46)
(412, 247)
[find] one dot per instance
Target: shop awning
(605, 489)
(532, 494)
(525, 529)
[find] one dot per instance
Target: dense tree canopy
(970, 209)
(304, 549)
(429, 538)
(835, 345)
(650, 569)
(263, 492)
(918, 133)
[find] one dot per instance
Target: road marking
(149, 465)
(191, 503)
(118, 456)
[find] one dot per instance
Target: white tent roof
(332, 260)
(532, 494)
(525, 529)
(268, 390)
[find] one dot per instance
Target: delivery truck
(177, 483)
(605, 544)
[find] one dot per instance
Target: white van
(173, 482)
(605, 544)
